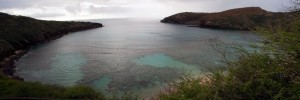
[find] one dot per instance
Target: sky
(97, 9)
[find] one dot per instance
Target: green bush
(271, 72)
(257, 76)
(13, 89)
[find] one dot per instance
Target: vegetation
(10, 89)
(19, 32)
(241, 18)
(270, 72)
(255, 76)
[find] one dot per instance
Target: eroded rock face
(240, 18)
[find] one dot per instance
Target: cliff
(19, 33)
(241, 18)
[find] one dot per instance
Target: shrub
(271, 72)
(14, 89)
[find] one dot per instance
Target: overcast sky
(92, 9)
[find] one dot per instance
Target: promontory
(247, 18)
(18, 33)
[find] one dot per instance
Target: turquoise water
(67, 68)
(162, 60)
(64, 69)
(127, 55)
(102, 83)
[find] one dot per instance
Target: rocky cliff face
(19, 33)
(240, 18)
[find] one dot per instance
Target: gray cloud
(42, 15)
(67, 9)
(73, 9)
(112, 9)
(6, 4)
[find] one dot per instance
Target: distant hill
(19, 32)
(241, 18)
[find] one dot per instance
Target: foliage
(285, 38)
(123, 96)
(247, 18)
(271, 72)
(256, 76)
(19, 32)
(12, 89)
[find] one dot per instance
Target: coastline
(7, 64)
(8, 67)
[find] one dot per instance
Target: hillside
(270, 72)
(19, 33)
(241, 18)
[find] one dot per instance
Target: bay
(127, 55)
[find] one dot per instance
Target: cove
(127, 55)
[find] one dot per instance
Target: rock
(17, 78)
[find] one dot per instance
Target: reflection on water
(126, 55)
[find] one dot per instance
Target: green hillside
(19, 32)
(240, 18)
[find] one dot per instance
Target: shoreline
(7, 64)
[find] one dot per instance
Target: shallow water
(126, 55)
